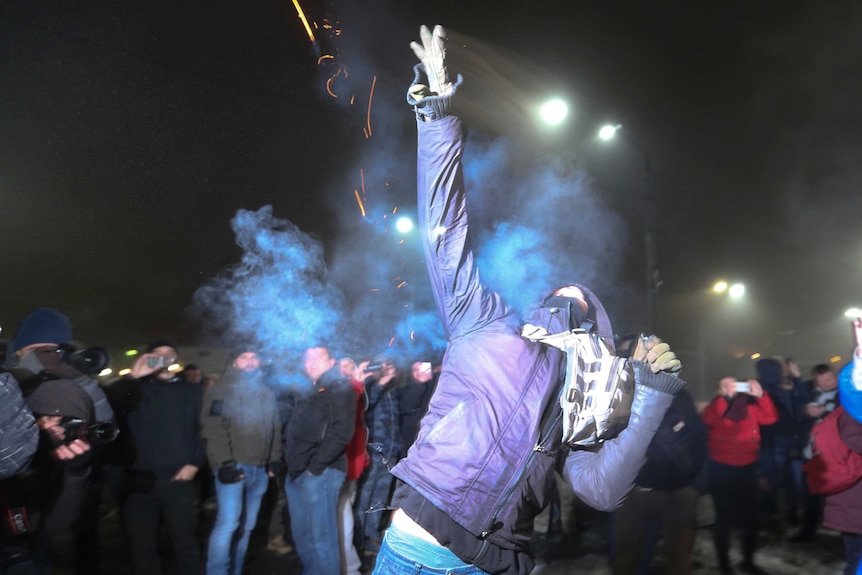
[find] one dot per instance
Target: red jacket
(843, 511)
(737, 442)
(357, 456)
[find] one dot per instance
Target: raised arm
(462, 300)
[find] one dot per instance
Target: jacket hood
(554, 323)
(770, 372)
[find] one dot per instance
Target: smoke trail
(277, 297)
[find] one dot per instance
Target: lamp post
(733, 292)
(653, 278)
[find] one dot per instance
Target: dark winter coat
(319, 423)
(240, 421)
(159, 427)
(383, 418)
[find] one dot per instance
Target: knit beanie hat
(161, 342)
(850, 388)
(44, 325)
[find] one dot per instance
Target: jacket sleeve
(215, 426)
(850, 432)
(339, 430)
(101, 408)
(275, 450)
(604, 477)
(19, 435)
(764, 410)
(464, 303)
(712, 413)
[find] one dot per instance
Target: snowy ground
(775, 554)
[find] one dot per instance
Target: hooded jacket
(240, 421)
(483, 463)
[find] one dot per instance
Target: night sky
(133, 132)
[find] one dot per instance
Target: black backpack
(679, 450)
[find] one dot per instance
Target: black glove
(275, 468)
(229, 473)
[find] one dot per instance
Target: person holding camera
(42, 504)
(161, 449)
(734, 418)
(42, 350)
(242, 430)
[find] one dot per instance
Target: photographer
(43, 503)
(42, 351)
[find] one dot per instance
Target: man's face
(247, 361)
(193, 375)
(727, 386)
(171, 355)
(826, 381)
(421, 371)
(317, 362)
(347, 367)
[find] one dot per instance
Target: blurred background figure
(734, 418)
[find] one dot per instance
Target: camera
(375, 367)
(90, 361)
(95, 433)
(160, 361)
(742, 387)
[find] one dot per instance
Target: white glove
(657, 355)
(432, 53)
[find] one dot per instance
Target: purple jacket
(480, 456)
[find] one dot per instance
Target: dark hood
(60, 397)
(770, 372)
(554, 323)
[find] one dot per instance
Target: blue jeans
(238, 504)
(313, 504)
(404, 554)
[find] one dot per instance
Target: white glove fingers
(656, 352)
(418, 50)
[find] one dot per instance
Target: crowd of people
(407, 466)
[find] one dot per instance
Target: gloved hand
(432, 54)
(229, 473)
(274, 468)
(657, 355)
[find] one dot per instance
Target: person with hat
(161, 449)
(37, 355)
(242, 430)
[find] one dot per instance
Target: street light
(733, 292)
(653, 280)
(553, 112)
(853, 313)
(404, 224)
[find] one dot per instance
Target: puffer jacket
(737, 442)
(483, 456)
(843, 511)
(240, 421)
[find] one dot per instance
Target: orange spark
(359, 201)
(325, 57)
(304, 20)
(362, 182)
(401, 285)
(368, 114)
(391, 341)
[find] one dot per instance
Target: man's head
(824, 378)
(162, 351)
(727, 386)
(347, 367)
(44, 327)
(193, 374)
(316, 362)
(247, 361)
(421, 371)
